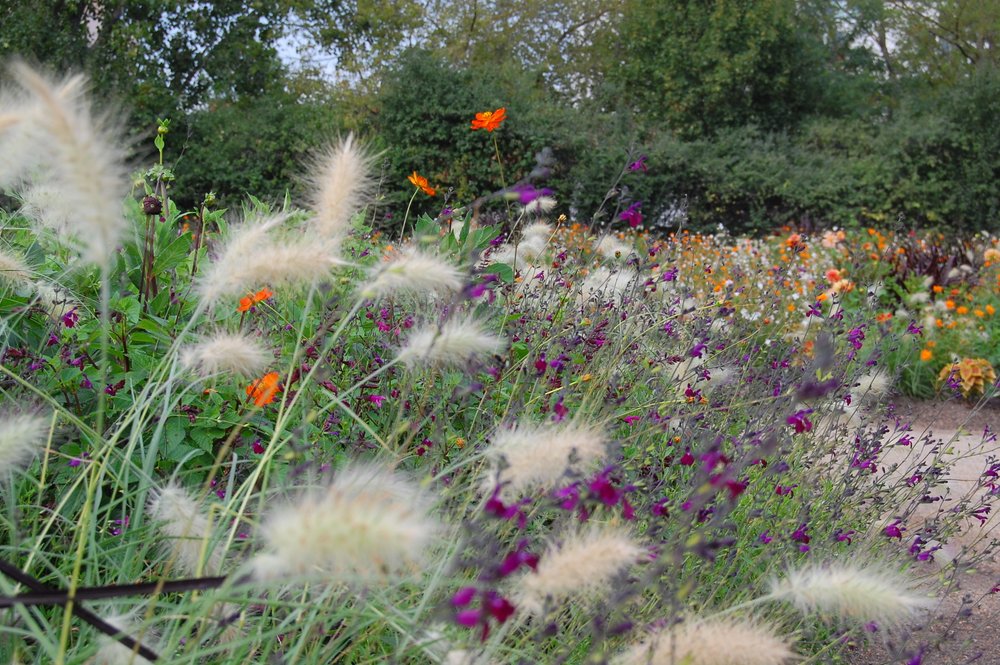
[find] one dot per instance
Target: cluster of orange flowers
(249, 301)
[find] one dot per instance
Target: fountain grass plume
(853, 593)
(531, 457)
(413, 271)
(580, 567)
(112, 652)
(340, 181)
(67, 149)
(253, 255)
(226, 353)
(187, 529)
(453, 344)
(13, 269)
(21, 437)
(369, 524)
(710, 642)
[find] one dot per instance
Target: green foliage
(423, 121)
(256, 145)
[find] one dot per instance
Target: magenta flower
(632, 215)
(800, 421)
(639, 164)
(894, 530)
(70, 318)
(376, 400)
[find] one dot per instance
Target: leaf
(519, 349)
(502, 271)
(173, 254)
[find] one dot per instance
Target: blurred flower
(632, 215)
(249, 301)
(264, 389)
(489, 120)
(638, 165)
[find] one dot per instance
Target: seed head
(21, 437)
(530, 457)
(710, 642)
(368, 524)
(850, 593)
(188, 531)
(413, 271)
(226, 353)
(454, 343)
(581, 567)
(340, 183)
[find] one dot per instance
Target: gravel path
(969, 617)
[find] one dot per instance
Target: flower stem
(406, 216)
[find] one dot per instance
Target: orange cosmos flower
(926, 355)
(490, 120)
(249, 301)
(421, 182)
(264, 389)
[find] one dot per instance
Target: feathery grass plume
(710, 642)
(582, 566)
(340, 182)
(21, 437)
(413, 271)
(226, 353)
(183, 522)
(541, 205)
(850, 592)
(13, 269)
(112, 652)
(72, 153)
(611, 247)
(454, 343)
(608, 285)
(368, 524)
(252, 256)
(539, 456)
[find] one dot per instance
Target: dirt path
(969, 617)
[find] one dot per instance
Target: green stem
(406, 216)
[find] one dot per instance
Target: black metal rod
(80, 611)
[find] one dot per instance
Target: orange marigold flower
(883, 317)
(264, 389)
(950, 304)
(962, 309)
(834, 275)
(991, 310)
(926, 355)
(489, 120)
(937, 288)
(421, 182)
